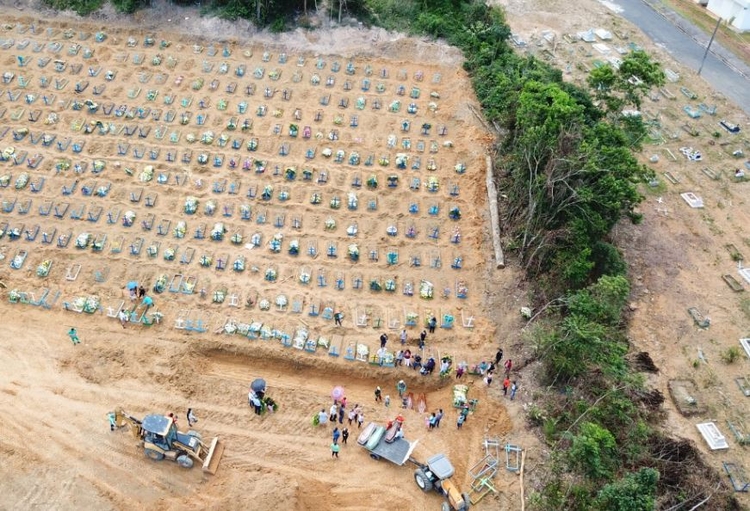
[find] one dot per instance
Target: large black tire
(422, 480)
(445, 506)
(467, 501)
(185, 461)
(154, 455)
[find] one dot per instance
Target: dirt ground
(60, 394)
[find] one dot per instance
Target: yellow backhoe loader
(159, 438)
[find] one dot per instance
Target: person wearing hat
(378, 396)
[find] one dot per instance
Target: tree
(593, 451)
(634, 492)
(625, 86)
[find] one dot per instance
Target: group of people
(337, 413)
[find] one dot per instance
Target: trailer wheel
(445, 506)
(374, 456)
(154, 455)
(467, 501)
(422, 480)
(185, 461)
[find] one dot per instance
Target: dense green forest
(567, 175)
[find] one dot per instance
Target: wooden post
(494, 215)
(523, 500)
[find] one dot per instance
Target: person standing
(344, 435)
(387, 401)
(459, 371)
(342, 412)
(360, 420)
(73, 334)
(335, 450)
(322, 417)
(399, 357)
(123, 317)
(401, 388)
(513, 390)
(488, 378)
(383, 339)
(191, 418)
(460, 421)
(508, 367)
(498, 356)
(336, 434)
(438, 417)
(378, 394)
(337, 318)
(422, 338)
(148, 302)
(506, 385)
(352, 416)
(333, 412)
(141, 292)
(433, 324)
(403, 337)
(433, 420)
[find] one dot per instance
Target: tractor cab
(160, 431)
(436, 475)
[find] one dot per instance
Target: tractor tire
(445, 506)
(185, 461)
(467, 501)
(422, 480)
(154, 455)
(195, 434)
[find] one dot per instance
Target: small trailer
(380, 443)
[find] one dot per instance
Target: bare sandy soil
(58, 394)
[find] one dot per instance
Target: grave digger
(160, 439)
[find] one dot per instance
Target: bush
(730, 355)
(80, 7)
(129, 6)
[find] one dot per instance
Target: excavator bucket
(215, 452)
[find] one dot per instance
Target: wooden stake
(523, 500)
(494, 215)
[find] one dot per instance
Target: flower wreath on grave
(147, 174)
(161, 284)
(315, 198)
(43, 269)
(353, 251)
(290, 173)
(169, 254)
(191, 205)
(180, 229)
(236, 239)
(206, 261)
(375, 285)
(264, 305)
(454, 213)
(426, 290)
(327, 152)
(294, 248)
(271, 275)
(14, 296)
(372, 182)
(330, 224)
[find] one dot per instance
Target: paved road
(687, 44)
